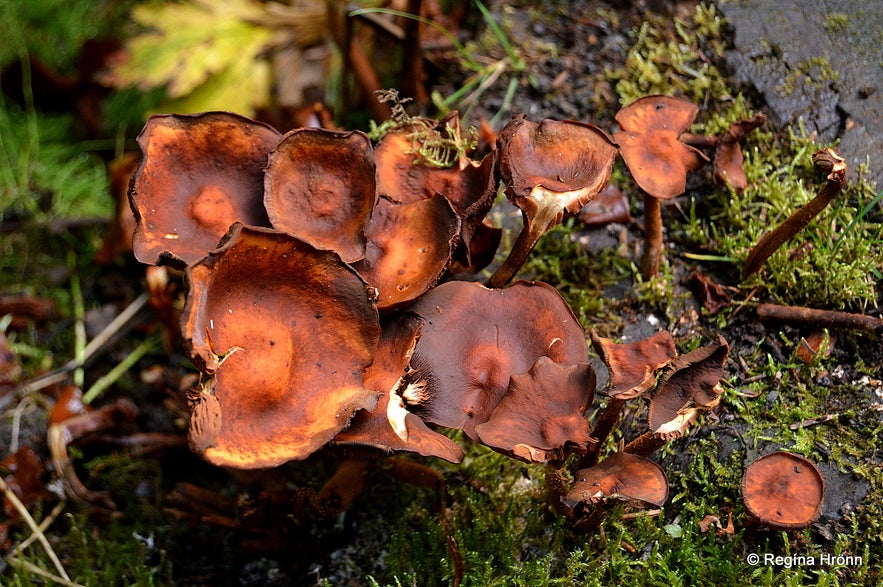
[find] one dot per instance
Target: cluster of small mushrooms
(333, 294)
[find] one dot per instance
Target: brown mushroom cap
(409, 247)
(636, 480)
(199, 174)
(728, 160)
(783, 490)
(287, 331)
(476, 338)
(543, 410)
(632, 366)
(648, 139)
(560, 164)
(389, 426)
(688, 385)
(319, 187)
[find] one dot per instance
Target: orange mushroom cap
(198, 175)
(632, 366)
(634, 479)
(560, 164)
(286, 331)
(543, 411)
(783, 490)
(476, 338)
(389, 426)
(409, 248)
(648, 139)
(319, 187)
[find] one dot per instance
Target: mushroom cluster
(323, 310)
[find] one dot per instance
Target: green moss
(836, 23)
(814, 72)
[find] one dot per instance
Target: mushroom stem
(826, 160)
(607, 419)
(345, 485)
(821, 318)
(546, 217)
(652, 236)
(645, 445)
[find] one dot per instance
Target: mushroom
(783, 491)
(620, 478)
(657, 160)
(688, 386)
(198, 175)
(390, 426)
(632, 369)
(286, 331)
(543, 413)
(474, 339)
(550, 169)
(409, 248)
(319, 187)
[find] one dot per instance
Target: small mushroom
(286, 331)
(389, 426)
(198, 175)
(474, 339)
(550, 169)
(543, 414)
(657, 160)
(632, 369)
(632, 479)
(688, 386)
(783, 491)
(409, 248)
(319, 187)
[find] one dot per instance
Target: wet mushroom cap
(632, 366)
(389, 426)
(320, 187)
(636, 480)
(286, 331)
(783, 490)
(543, 410)
(198, 175)
(475, 338)
(648, 140)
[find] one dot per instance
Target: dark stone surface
(820, 61)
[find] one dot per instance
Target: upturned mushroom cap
(648, 139)
(198, 175)
(390, 426)
(474, 339)
(319, 187)
(633, 479)
(553, 164)
(286, 331)
(409, 248)
(633, 366)
(543, 411)
(783, 490)
(688, 385)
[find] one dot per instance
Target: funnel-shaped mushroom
(635, 480)
(286, 331)
(198, 175)
(783, 490)
(632, 369)
(550, 169)
(319, 187)
(658, 161)
(688, 386)
(390, 426)
(409, 248)
(474, 339)
(543, 413)
(404, 175)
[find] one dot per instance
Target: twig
(821, 318)
(118, 371)
(79, 320)
(44, 524)
(29, 520)
(32, 568)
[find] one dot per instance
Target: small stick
(821, 318)
(826, 160)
